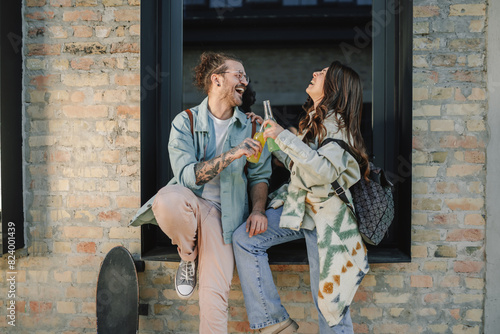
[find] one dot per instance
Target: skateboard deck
(117, 295)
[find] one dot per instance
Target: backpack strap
(339, 191)
(190, 114)
(342, 144)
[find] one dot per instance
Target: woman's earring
(218, 84)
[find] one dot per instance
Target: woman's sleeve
(322, 166)
(283, 158)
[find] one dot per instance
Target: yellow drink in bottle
(260, 137)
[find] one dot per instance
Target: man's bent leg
(216, 266)
(178, 213)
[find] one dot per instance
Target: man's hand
(247, 148)
(256, 223)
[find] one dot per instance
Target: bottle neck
(268, 115)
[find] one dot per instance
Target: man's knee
(171, 198)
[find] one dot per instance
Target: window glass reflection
(300, 2)
(225, 3)
(291, 40)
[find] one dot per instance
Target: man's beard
(230, 96)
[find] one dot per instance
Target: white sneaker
(185, 279)
(284, 327)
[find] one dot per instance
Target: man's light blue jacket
(186, 150)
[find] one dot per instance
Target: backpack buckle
(339, 192)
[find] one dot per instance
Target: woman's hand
(273, 131)
(254, 117)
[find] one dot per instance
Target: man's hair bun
(210, 63)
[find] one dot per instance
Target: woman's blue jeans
(262, 300)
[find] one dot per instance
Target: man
(207, 198)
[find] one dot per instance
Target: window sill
(292, 253)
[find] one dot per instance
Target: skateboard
(117, 293)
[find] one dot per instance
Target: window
(299, 2)
(225, 3)
(376, 41)
(11, 183)
(194, 2)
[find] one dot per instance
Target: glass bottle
(268, 114)
(259, 135)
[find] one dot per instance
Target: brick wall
(82, 96)
(81, 143)
(444, 284)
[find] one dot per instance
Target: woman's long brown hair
(342, 97)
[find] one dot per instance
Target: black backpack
(373, 200)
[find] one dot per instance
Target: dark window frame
(161, 99)
(11, 76)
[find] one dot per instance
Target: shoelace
(187, 273)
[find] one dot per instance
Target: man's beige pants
(194, 225)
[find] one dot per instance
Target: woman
(307, 207)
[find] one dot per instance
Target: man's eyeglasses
(240, 75)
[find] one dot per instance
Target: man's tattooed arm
(207, 170)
